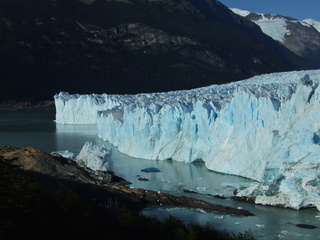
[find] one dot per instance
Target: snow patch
(272, 25)
(240, 12)
(275, 28)
(314, 23)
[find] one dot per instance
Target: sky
(300, 9)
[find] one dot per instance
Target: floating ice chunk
(180, 185)
(65, 154)
(166, 181)
(150, 169)
(234, 185)
(200, 210)
(201, 189)
(95, 157)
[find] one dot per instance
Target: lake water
(36, 128)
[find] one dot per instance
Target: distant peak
(312, 22)
(263, 16)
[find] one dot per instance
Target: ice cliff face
(82, 109)
(265, 128)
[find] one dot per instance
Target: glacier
(273, 25)
(265, 128)
(276, 26)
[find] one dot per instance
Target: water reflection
(28, 127)
(73, 137)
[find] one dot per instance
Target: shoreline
(53, 168)
(27, 104)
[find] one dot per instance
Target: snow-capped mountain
(313, 23)
(265, 128)
(301, 37)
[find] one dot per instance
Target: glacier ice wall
(265, 128)
(82, 109)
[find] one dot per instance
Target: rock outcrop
(54, 165)
(103, 188)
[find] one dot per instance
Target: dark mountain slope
(128, 46)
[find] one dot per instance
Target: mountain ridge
(300, 37)
(129, 47)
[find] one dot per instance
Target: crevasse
(265, 128)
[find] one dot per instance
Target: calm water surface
(36, 128)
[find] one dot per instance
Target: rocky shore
(102, 188)
(28, 104)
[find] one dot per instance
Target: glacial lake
(36, 127)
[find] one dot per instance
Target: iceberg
(150, 169)
(265, 128)
(97, 158)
